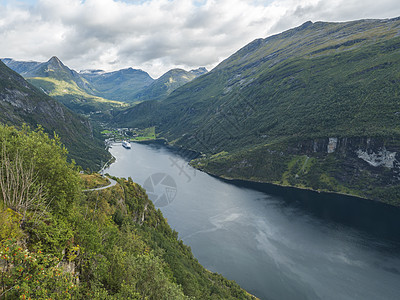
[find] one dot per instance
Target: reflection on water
(276, 243)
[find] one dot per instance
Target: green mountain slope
(55, 69)
(167, 83)
(21, 103)
(68, 243)
(316, 106)
(73, 97)
(120, 85)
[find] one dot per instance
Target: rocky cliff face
(363, 166)
(21, 103)
(378, 156)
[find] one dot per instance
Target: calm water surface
(276, 243)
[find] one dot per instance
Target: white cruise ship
(126, 144)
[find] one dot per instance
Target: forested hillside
(22, 103)
(58, 241)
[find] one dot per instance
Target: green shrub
(32, 275)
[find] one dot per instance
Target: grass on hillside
(146, 134)
(72, 96)
(95, 180)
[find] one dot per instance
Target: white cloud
(157, 35)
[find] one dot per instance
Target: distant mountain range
(21, 67)
(120, 85)
(20, 103)
(167, 83)
(96, 90)
(130, 85)
(317, 106)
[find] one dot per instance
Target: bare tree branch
(19, 184)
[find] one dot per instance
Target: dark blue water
(277, 243)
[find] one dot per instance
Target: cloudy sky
(157, 35)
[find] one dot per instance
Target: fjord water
(277, 243)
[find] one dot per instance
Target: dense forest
(60, 240)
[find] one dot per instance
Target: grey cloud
(335, 11)
(161, 34)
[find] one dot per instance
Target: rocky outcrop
(343, 145)
(381, 158)
(332, 144)
(377, 156)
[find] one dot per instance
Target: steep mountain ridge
(53, 68)
(22, 103)
(199, 71)
(319, 81)
(64, 84)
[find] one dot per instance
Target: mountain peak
(131, 70)
(175, 70)
(55, 61)
(199, 71)
(306, 24)
(6, 60)
(54, 58)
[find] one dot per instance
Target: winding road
(112, 183)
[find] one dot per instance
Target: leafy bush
(46, 159)
(32, 275)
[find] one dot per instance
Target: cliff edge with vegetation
(59, 242)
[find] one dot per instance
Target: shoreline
(294, 188)
(335, 211)
(180, 150)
